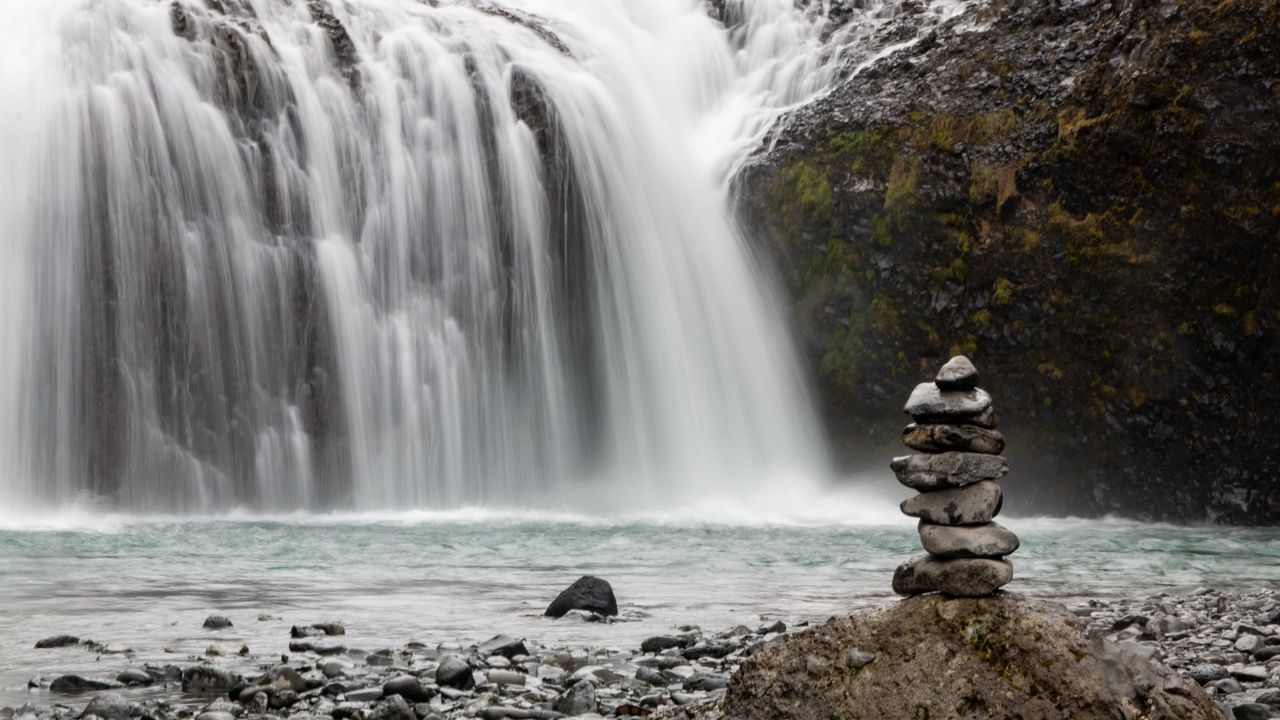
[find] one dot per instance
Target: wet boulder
(588, 593)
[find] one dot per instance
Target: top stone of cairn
(958, 374)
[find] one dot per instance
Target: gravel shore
(1227, 642)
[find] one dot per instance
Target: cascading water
(393, 253)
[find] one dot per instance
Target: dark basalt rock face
(1085, 197)
(997, 657)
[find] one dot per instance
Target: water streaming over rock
(390, 253)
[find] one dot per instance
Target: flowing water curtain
(386, 254)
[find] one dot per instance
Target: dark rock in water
(57, 641)
(504, 645)
(76, 684)
(408, 687)
(947, 470)
(454, 672)
(392, 708)
(711, 650)
(776, 626)
(577, 700)
(112, 706)
(660, 643)
(216, 622)
(942, 438)
(928, 404)
(308, 646)
(304, 631)
(133, 676)
(1000, 657)
(970, 505)
(966, 578)
(957, 374)
(207, 679)
(991, 540)
(330, 628)
(587, 593)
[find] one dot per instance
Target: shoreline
(1228, 642)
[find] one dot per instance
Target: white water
(487, 258)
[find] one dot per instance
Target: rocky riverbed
(1229, 643)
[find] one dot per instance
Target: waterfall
(378, 254)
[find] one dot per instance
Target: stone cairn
(955, 470)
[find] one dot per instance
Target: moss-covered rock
(1085, 199)
(1000, 657)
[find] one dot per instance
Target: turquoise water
(147, 585)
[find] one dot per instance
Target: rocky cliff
(1085, 198)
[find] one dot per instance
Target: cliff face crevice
(1084, 197)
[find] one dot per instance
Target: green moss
(882, 316)
(982, 318)
(1003, 292)
(866, 151)
(809, 189)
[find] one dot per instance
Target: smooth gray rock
(207, 679)
(71, 684)
(283, 677)
(216, 622)
(966, 577)
(943, 438)
(364, 695)
(577, 700)
(943, 471)
(504, 645)
(660, 643)
(650, 676)
(928, 404)
(957, 374)
(970, 505)
(134, 676)
(706, 682)
(408, 687)
(1253, 711)
(505, 677)
(454, 672)
(112, 706)
(588, 593)
(392, 708)
(57, 641)
(991, 540)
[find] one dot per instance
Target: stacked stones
(955, 471)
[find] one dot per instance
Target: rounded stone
(990, 540)
(929, 404)
(942, 471)
(963, 577)
(942, 438)
(970, 505)
(957, 374)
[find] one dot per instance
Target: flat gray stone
(942, 438)
(944, 471)
(928, 404)
(957, 374)
(970, 505)
(991, 540)
(966, 577)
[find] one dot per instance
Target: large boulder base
(1000, 657)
